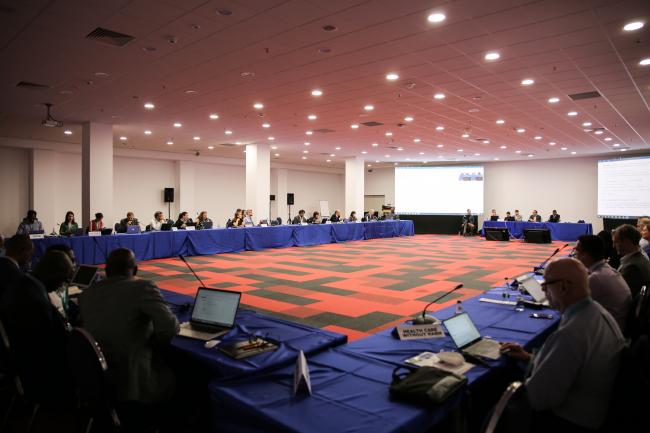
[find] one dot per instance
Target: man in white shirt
(157, 221)
(248, 219)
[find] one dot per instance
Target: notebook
(466, 337)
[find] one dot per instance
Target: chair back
(501, 406)
(279, 221)
(8, 361)
(90, 372)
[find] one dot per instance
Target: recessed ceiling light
(563, 148)
(623, 150)
(271, 138)
(369, 165)
(552, 143)
(503, 147)
(312, 117)
(486, 141)
(500, 122)
(238, 143)
(67, 132)
(337, 148)
(307, 143)
(316, 92)
(634, 25)
(574, 152)
(408, 119)
(477, 154)
(645, 62)
(177, 125)
(214, 116)
(520, 130)
(276, 154)
(530, 155)
(386, 156)
(274, 147)
(375, 144)
(439, 96)
(123, 138)
(148, 132)
(527, 82)
(328, 160)
(210, 147)
(196, 138)
(417, 140)
(101, 74)
(258, 105)
(465, 135)
(440, 128)
(332, 155)
(598, 132)
(354, 126)
(304, 157)
(459, 150)
(389, 134)
(191, 92)
(572, 113)
(364, 152)
(608, 138)
(305, 151)
(400, 149)
(377, 162)
(586, 124)
(517, 151)
(227, 132)
(440, 145)
(538, 137)
(436, 17)
(493, 55)
(169, 143)
(616, 144)
(421, 153)
(266, 125)
(553, 100)
(392, 76)
(149, 106)
(369, 107)
(496, 159)
(308, 133)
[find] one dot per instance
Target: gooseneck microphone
(192, 270)
(423, 319)
(542, 265)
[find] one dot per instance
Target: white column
(354, 186)
(185, 182)
(97, 173)
(258, 180)
(281, 196)
(42, 194)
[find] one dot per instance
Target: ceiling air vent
(372, 123)
(323, 130)
(32, 86)
(585, 95)
(227, 144)
(109, 37)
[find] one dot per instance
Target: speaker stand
(289, 206)
(169, 210)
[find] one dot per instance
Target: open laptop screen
(84, 275)
(534, 288)
(215, 307)
(462, 329)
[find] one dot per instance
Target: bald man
(573, 374)
(128, 317)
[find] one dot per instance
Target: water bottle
(459, 307)
(520, 304)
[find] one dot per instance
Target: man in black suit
(18, 255)
(635, 267)
(36, 330)
(554, 218)
(535, 217)
(124, 223)
(336, 216)
(300, 218)
(509, 217)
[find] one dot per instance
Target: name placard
(301, 380)
(418, 332)
(190, 228)
(94, 233)
(37, 236)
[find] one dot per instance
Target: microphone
(180, 256)
(538, 269)
(426, 320)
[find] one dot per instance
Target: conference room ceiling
(193, 58)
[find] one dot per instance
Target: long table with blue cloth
(92, 250)
(568, 232)
(350, 383)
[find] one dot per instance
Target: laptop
(534, 289)
(324, 220)
(213, 314)
(132, 229)
(207, 225)
(463, 332)
(106, 232)
(166, 227)
(83, 277)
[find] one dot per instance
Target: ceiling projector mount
(50, 121)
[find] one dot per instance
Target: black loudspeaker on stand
(496, 234)
(289, 204)
(168, 194)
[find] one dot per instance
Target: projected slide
(439, 190)
(624, 187)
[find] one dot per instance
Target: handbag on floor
(425, 385)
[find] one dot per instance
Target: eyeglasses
(549, 282)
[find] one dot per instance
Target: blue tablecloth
(156, 245)
(350, 383)
(569, 232)
(291, 337)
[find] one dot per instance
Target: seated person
(645, 236)
(237, 220)
(554, 217)
(158, 220)
(635, 267)
(248, 219)
(36, 330)
(315, 218)
(468, 225)
(183, 220)
(29, 224)
(509, 217)
(518, 216)
(69, 226)
(610, 252)
(336, 216)
(606, 285)
(202, 219)
(643, 243)
(572, 376)
(97, 224)
(370, 215)
(15, 261)
(130, 320)
(130, 220)
(388, 213)
(535, 217)
(494, 216)
(353, 216)
(300, 218)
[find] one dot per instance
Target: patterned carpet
(355, 288)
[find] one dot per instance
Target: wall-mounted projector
(50, 121)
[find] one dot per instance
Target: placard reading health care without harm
(418, 332)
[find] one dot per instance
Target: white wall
(67, 182)
(219, 190)
(381, 181)
(14, 188)
(310, 188)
